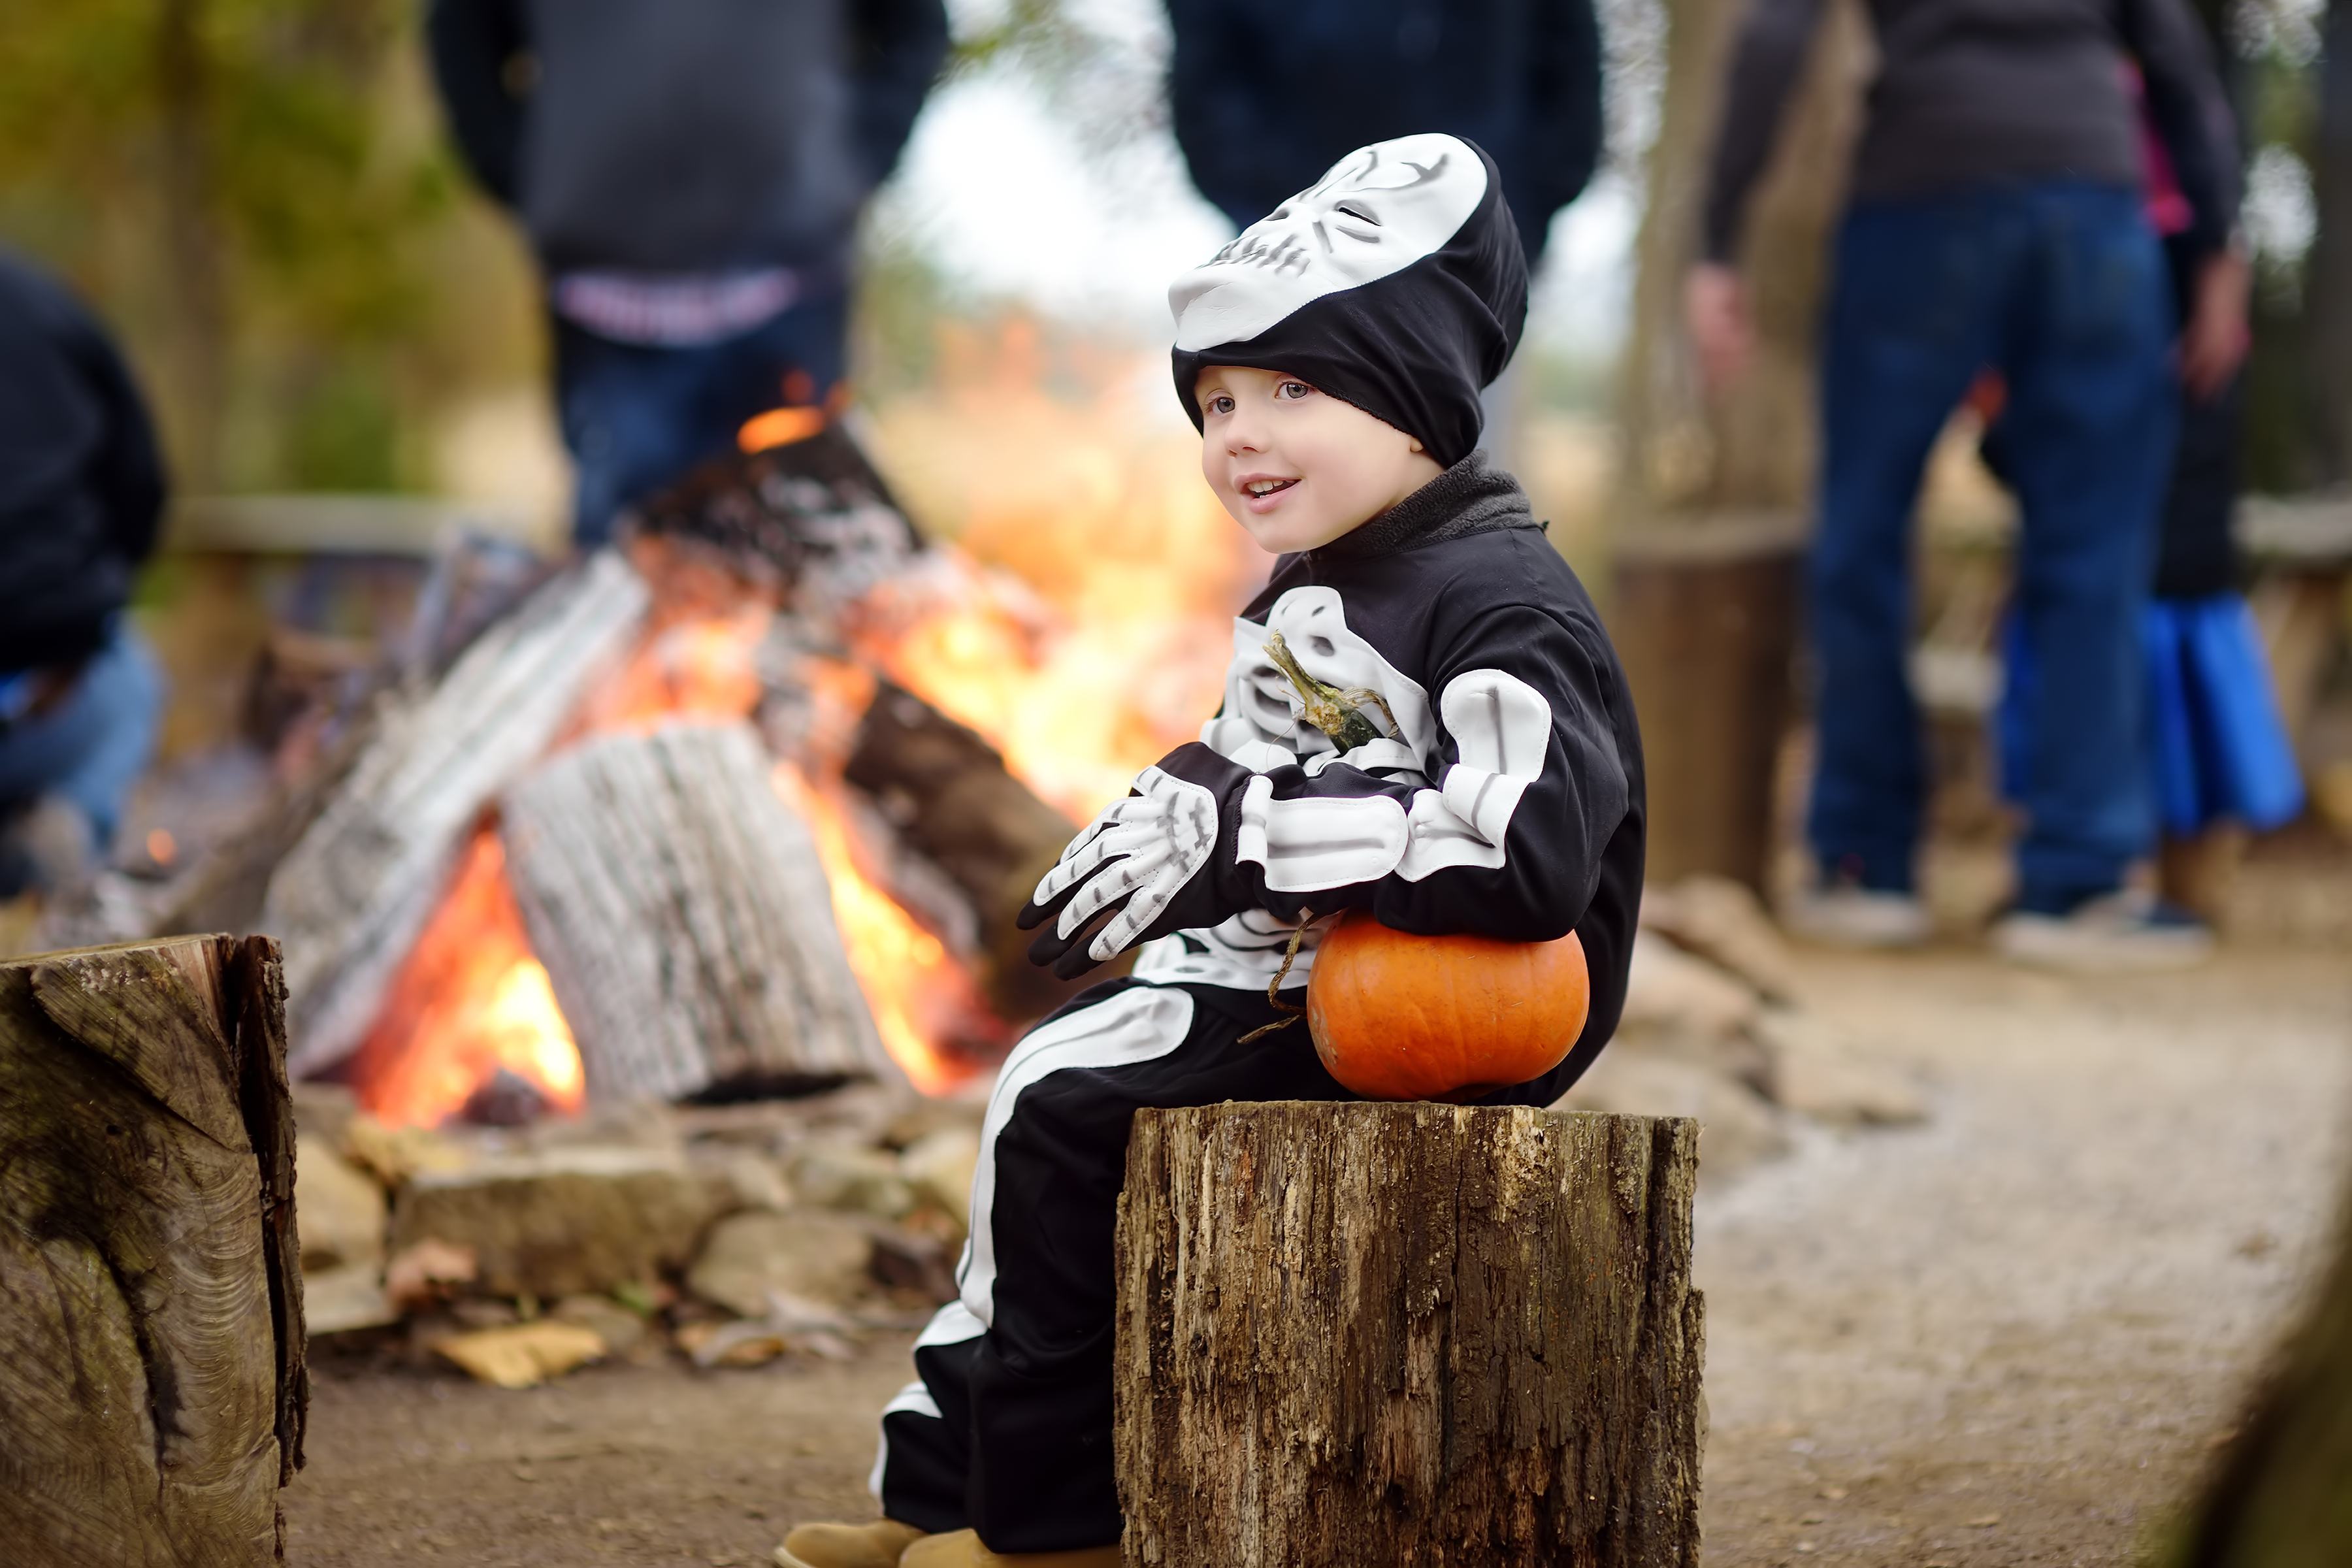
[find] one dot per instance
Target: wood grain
(151, 1386)
(351, 898)
(684, 918)
(1408, 1333)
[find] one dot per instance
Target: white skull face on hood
(1381, 210)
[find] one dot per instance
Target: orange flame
(1080, 621)
(469, 999)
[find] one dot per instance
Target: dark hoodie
(81, 485)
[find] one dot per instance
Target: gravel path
(2010, 1336)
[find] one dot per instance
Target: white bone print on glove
(1148, 846)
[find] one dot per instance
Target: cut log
(350, 899)
(685, 920)
(151, 1383)
(1407, 1333)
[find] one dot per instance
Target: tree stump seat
(1351, 1334)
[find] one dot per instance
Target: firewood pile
(675, 898)
(727, 1236)
(1715, 1029)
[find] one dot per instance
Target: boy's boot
(962, 1549)
(880, 1544)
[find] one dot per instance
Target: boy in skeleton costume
(1423, 719)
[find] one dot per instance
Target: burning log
(350, 899)
(948, 793)
(151, 1383)
(1391, 1333)
(684, 919)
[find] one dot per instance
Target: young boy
(1481, 772)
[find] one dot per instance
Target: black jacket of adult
(685, 135)
(1268, 94)
(81, 485)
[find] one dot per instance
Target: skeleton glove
(1161, 859)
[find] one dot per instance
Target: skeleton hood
(1395, 283)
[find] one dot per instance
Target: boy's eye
(1293, 389)
(1221, 404)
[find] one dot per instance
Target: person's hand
(2214, 341)
(1715, 304)
(1138, 854)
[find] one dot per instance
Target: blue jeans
(637, 417)
(2060, 287)
(92, 746)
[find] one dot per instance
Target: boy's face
(1297, 468)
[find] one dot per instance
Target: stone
(340, 1300)
(339, 1210)
(919, 1121)
(1738, 1129)
(1722, 921)
(847, 1176)
(808, 1254)
(740, 1179)
(566, 1222)
(427, 1272)
(524, 1355)
(1667, 989)
(940, 1167)
(622, 1331)
(1818, 1072)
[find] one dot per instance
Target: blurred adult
(691, 174)
(1996, 220)
(82, 490)
(1268, 96)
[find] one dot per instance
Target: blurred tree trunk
(198, 352)
(2279, 1498)
(2327, 273)
(1717, 486)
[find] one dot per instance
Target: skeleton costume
(1477, 769)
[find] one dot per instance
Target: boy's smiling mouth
(1262, 487)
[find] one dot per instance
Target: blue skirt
(2216, 747)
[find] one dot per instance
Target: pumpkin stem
(1289, 957)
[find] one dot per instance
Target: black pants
(1009, 1429)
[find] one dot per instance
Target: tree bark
(351, 898)
(151, 1383)
(684, 918)
(1354, 1333)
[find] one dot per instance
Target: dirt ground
(2012, 1335)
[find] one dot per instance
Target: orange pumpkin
(1397, 1016)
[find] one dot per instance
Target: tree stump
(684, 918)
(152, 1382)
(1414, 1334)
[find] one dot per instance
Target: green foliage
(246, 188)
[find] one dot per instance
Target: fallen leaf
(523, 1355)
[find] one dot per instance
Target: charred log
(948, 793)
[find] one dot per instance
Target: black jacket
(1267, 94)
(685, 135)
(82, 484)
(1509, 801)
